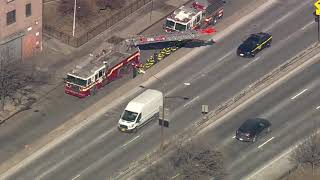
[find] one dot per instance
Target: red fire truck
(104, 65)
(110, 61)
(198, 14)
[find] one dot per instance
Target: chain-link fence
(91, 33)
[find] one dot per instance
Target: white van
(140, 110)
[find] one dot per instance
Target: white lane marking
(318, 107)
(76, 153)
(130, 141)
(91, 119)
(247, 65)
(285, 153)
(186, 83)
(191, 101)
(76, 177)
(299, 94)
(226, 55)
(307, 25)
(218, 36)
(244, 20)
(289, 14)
(233, 137)
(265, 142)
(235, 73)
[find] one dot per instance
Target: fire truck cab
(195, 15)
(99, 68)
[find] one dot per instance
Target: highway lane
(292, 108)
(57, 107)
(108, 149)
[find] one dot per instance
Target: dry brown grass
(53, 18)
(303, 173)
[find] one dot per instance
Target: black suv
(253, 44)
(251, 128)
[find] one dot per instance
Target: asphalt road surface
(293, 108)
(56, 108)
(209, 77)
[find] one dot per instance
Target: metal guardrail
(91, 33)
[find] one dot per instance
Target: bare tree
(15, 76)
(192, 161)
(83, 8)
(308, 153)
(197, 161)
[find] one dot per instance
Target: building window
(28, 10)
(11, 17)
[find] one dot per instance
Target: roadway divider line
(191, 101)
(76, 177)
(86, 117)
(133, 139)
(289, 14)
(265, 142)
(76, 153)
(299, 94)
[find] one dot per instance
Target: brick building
(20, 27)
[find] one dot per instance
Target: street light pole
(163, 109)
(74, 17)
(162, 122)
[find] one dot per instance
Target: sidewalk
(276, 169)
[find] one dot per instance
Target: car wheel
(93, 91)
(268, 45)
(214, 22)
(254, 139)
(135, 130)
(268, 130)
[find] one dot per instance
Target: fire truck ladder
(169, 37)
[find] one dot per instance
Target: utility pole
(74, 17)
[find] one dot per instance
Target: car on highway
(252, 128)
(254, 43)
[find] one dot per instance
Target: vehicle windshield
(252, 40)
(180, 27)
(170, 24)
(248, 126)
(75, 80)
(129, 116)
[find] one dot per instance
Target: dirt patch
(53, 18)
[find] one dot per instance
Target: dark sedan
(253, 44)
(252, 128)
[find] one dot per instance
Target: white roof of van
(145, 98)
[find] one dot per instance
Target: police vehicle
(253, 44)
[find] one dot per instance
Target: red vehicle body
(196, 15)
(101, 67)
